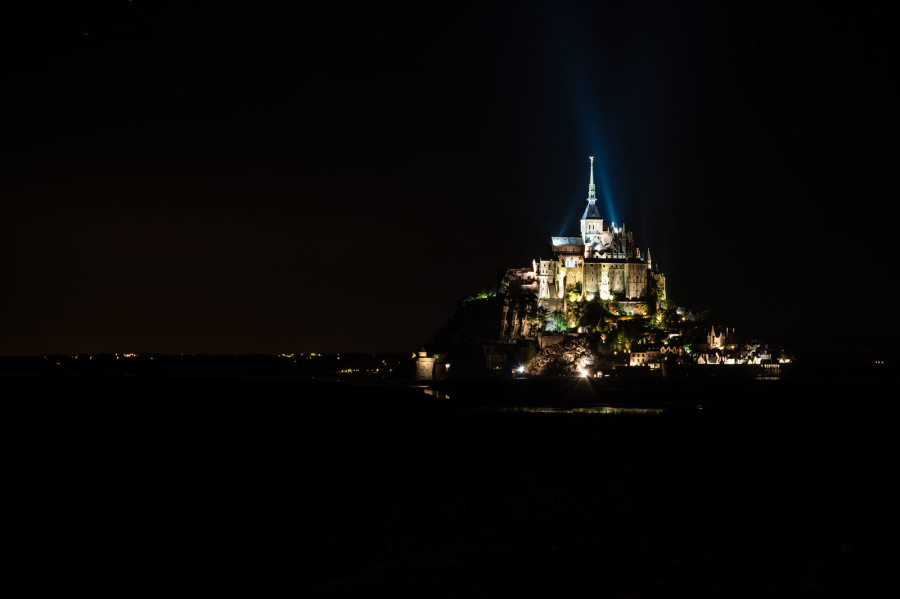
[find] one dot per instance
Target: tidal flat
(156, 486)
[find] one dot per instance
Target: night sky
(186, 177)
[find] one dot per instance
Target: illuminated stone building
(602, 263)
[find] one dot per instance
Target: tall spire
(592, 190)
(592, 212)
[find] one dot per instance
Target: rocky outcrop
(515, 323)
(566, 358)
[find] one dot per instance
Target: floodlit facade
(602, 263)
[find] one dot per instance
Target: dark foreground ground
(162, 487)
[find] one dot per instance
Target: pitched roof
(591, 211)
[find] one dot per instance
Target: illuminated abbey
(602, 263)
(596, 304)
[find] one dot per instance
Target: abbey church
(602, 263)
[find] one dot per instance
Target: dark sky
(260, 177)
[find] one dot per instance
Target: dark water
(276, 487)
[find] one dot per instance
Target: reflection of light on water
(436, 393)
(587, 410)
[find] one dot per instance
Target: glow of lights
(583, 372)
(521, 369)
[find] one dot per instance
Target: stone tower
(591, 221)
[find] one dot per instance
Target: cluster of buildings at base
(720, 348)
(603, 263)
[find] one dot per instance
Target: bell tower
(591, 222)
